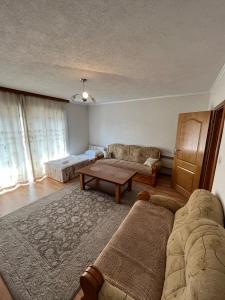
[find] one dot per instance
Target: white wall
(78, 130)
(151, 122)
(217, 95)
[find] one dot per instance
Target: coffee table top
(108, 173)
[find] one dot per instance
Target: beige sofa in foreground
(163, 251)
(133, 157)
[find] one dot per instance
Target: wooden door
(191, 140)
(213, 146)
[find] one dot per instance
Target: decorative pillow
(150, 161)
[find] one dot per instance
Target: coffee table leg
(118, 193)
(82, 185)
(129, 188)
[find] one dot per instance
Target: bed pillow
(150, 161)
(93, 153)
(65, 162)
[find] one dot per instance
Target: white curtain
(32, 132)
(47, 133)
(13, 168)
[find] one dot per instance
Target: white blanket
(68, 161)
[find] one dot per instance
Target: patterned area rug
(46, 246)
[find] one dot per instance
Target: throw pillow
(150, 161)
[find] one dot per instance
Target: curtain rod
(10, 90)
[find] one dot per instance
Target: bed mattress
(66, 168)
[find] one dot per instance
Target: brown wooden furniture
(4, 291)
(118, 176)
(91, 282)
(192, 132)
(148, 179)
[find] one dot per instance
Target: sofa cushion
(4, 291)
(133, 261)
(201, 204)
(150, 161)
(129, 165)
(133, 153)
(119, 151)
(144, 152)
(195, 267)
(110, 292)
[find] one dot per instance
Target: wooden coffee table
(118, 176)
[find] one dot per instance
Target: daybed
(68, 167)
(139, 262)
(134, 158)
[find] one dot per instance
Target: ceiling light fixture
(84, 96)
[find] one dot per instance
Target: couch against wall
(150, 122)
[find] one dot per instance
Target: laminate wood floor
(26, 194)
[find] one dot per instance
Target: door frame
(195, 167)
(213, 146)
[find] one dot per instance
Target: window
(32, 131)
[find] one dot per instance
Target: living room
(112, 150)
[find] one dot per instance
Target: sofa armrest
(155, 170)
(165, 201)
(4, 291)
(111, 292)
(156, 166)
(145, 196)
(91, 282)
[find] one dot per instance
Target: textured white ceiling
(128, 49)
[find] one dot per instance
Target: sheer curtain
(46, 132)
(13, 168)
(32, 132)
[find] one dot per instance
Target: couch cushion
(133, 153)
(119, 151)
(201, 204)
(110, 292)
(134, 259)
(129, 165)
(143, 153)
(195, 267)
(151, 161)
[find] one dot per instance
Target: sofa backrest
(201, 204)
(195, 266)
(132, 152)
